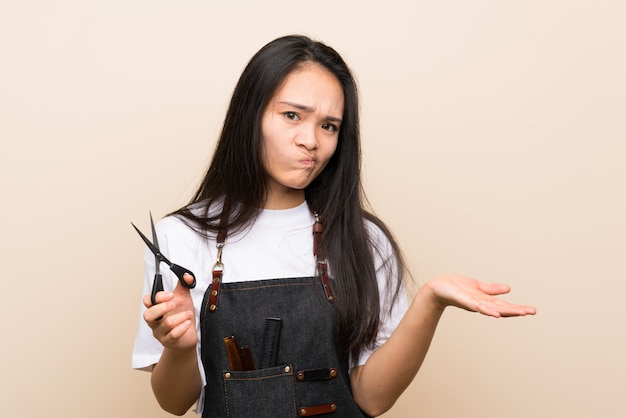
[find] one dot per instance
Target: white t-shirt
(278, 245)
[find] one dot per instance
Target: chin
(297, 185)
(295, 189)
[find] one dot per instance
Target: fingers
(499, 308)
(507, 309)
(156, 312)
(168, 323)
(166, 305)
(164, 296)
(160, 297)
(493, 288)
(172, 327)
(522, 310)
(176, 332)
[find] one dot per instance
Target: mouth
(308, 160)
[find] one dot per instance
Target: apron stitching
(225, 398)
(239, 379)
(268, 286)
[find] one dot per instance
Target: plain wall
(494, 146)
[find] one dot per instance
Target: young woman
(289, 262)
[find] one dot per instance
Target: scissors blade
(155, 240)
(150, 245)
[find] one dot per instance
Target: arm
(176, 380)
(390, 369)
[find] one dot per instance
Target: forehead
(312, 85)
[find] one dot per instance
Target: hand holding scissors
(179, 271)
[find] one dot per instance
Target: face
(300, 128)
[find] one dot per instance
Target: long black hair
(237, 174)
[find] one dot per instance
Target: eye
(330, 127)
(292, 115)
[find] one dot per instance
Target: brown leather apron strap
(320, 256)
(317, 374)
(309, 411)
(218, 267)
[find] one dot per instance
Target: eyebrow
(310, 109)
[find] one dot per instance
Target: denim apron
(309, 374)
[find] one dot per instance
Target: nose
(307, 137)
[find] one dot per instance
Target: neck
(284, 199)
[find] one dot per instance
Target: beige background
(494, 147)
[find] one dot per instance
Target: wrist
(180, 353)
(428, 298)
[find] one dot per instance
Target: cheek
(330, 150)
(268, 145)
(273, 155)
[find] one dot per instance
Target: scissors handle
(180, 271)
(157, 286)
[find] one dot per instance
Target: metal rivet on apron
(333, 372)
(302, 412)
(287, 369)
(214, 292)
(212, 308)
(226, 375)
(333, 407)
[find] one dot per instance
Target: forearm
(176, 380)
(381, 380)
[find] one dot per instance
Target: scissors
(179, 271)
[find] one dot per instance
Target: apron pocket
(264, 393)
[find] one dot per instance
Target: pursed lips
(308, 160)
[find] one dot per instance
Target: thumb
(494, 288)
(189, 279)
(182, 294)
(183, 288)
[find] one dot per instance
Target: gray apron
(309, 371)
